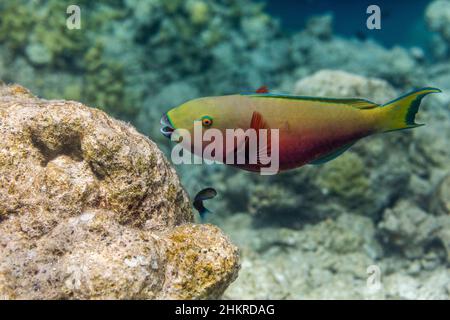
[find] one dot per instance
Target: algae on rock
(91, 209)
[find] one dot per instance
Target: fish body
(205, 194)
(311, 129)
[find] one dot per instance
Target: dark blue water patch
(402, 21)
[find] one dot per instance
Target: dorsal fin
(361, 104)
(353, 102)
(262, 89)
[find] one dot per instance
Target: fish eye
(207, 121)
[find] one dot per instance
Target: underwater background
(310, 233)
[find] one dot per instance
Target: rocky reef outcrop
(91, 209)
(338, 83)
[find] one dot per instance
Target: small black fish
(204, 194)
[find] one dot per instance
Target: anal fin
(332, 155)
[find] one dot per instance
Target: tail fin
(400, 113)
(203, 213)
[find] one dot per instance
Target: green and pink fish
(312, 130)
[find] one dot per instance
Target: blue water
(402, 21)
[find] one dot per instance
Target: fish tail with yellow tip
(400, 113)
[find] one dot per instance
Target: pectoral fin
(257, 123)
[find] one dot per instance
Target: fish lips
(166, 127)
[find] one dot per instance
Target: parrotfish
(312, 130)
(204, 194)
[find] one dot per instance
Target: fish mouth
(166, 127)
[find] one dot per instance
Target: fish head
(209, 112)
(211, 116)
(166, 126)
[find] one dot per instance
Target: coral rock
(440, 202)
(320, 26)
(438, 17)
(91, 209)
(409, 228)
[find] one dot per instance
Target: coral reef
(328, 260)
(339, 218)
(129, 55)
(128, 52)
(91, 209)
(409, 228)
(347, 178)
